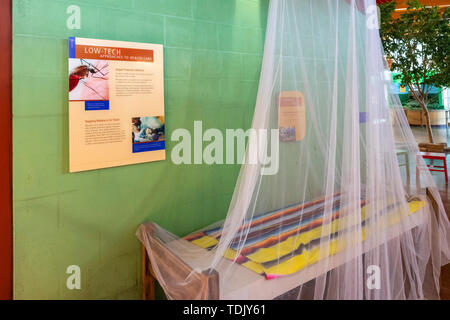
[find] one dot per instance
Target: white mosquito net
(336, 217)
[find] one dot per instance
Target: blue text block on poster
(96, 105)
(149, 146)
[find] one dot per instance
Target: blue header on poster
(72, 47)
(362, 117)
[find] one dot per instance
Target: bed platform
(180, 258)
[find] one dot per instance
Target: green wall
(213, 52)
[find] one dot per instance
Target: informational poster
(116, 103)
(292, 116)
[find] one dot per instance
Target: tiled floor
(440, 135)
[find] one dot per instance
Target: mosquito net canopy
(321, 208)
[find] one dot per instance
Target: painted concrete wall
(213, 52)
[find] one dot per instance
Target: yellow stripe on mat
(205, 242)
(307, 257)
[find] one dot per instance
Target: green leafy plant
(417, 45)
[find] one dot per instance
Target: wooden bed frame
(178, 270)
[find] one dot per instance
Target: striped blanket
(285, 241)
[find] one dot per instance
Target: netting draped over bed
(335, 217)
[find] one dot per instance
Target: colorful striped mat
(285, 241)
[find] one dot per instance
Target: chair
(432, 167)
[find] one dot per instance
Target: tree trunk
(427, 122)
